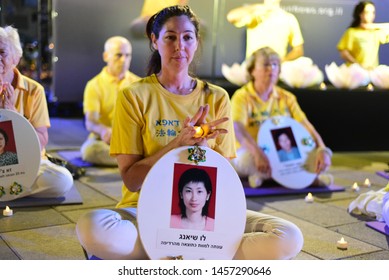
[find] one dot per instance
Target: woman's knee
(269, 237)
(107, 234)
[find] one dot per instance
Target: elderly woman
(259, 100)
(25, 96)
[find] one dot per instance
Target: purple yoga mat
(383, 174)
(74, 157)
(275, 189)
(379, 226)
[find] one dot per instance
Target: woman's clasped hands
(196, 131)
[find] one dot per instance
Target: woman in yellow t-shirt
(156, 115)
(361, 41)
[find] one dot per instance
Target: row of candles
(342, 243)
(355, 187)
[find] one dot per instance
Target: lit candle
(370, 87)
(7, 211)
(342, 244)
(322, 86)
(309, 198)
(199, 132)
(367, 183)
(355, 187)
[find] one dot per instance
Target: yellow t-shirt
(101, 92)
(250, 110)
(363, 45)
(279, 30)
(31, 102)
(148, 117)
(150, 7)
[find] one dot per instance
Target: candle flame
(7, 208)
(367, 182)
(355, 185)
(309, 195)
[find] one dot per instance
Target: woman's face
(177, 43)
(284, 142)
(6, 59)
(266, 70)
(195, 196)
(368, 14)
(2, 142)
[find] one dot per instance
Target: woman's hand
(262, 163)
(323, 161)
(7, 97)
(187, 136)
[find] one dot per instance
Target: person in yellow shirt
(259, 100)
(268, 25)
(27, 97)
(99, 100)
(360, 43)
(156, 115)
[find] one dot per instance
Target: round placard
(289, 148)
(202, 184)
(20, 157)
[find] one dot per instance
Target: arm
(323, 159)
(92, 125)
(384, 25)
(296, 52)
(261, 161)
(243, 16)
(346, 56)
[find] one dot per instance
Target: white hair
(10, 36)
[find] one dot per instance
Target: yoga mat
(74, 157)
(275, 189)
(71, 197)
(383, 174)
(379, 226)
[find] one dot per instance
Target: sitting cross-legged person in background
(259, 100)
(99, 100)
(27, 97)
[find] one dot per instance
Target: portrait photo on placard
(285, 144)
(193, 197)
(8, 153)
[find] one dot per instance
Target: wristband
(326, 150)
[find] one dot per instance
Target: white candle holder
(309, 198)
(342, 244)
(7, 212)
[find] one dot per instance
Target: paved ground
(40, 233)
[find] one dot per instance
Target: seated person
(139, 140)
(26, 97)
(100, 97)
(360, 43)
(258, 100)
